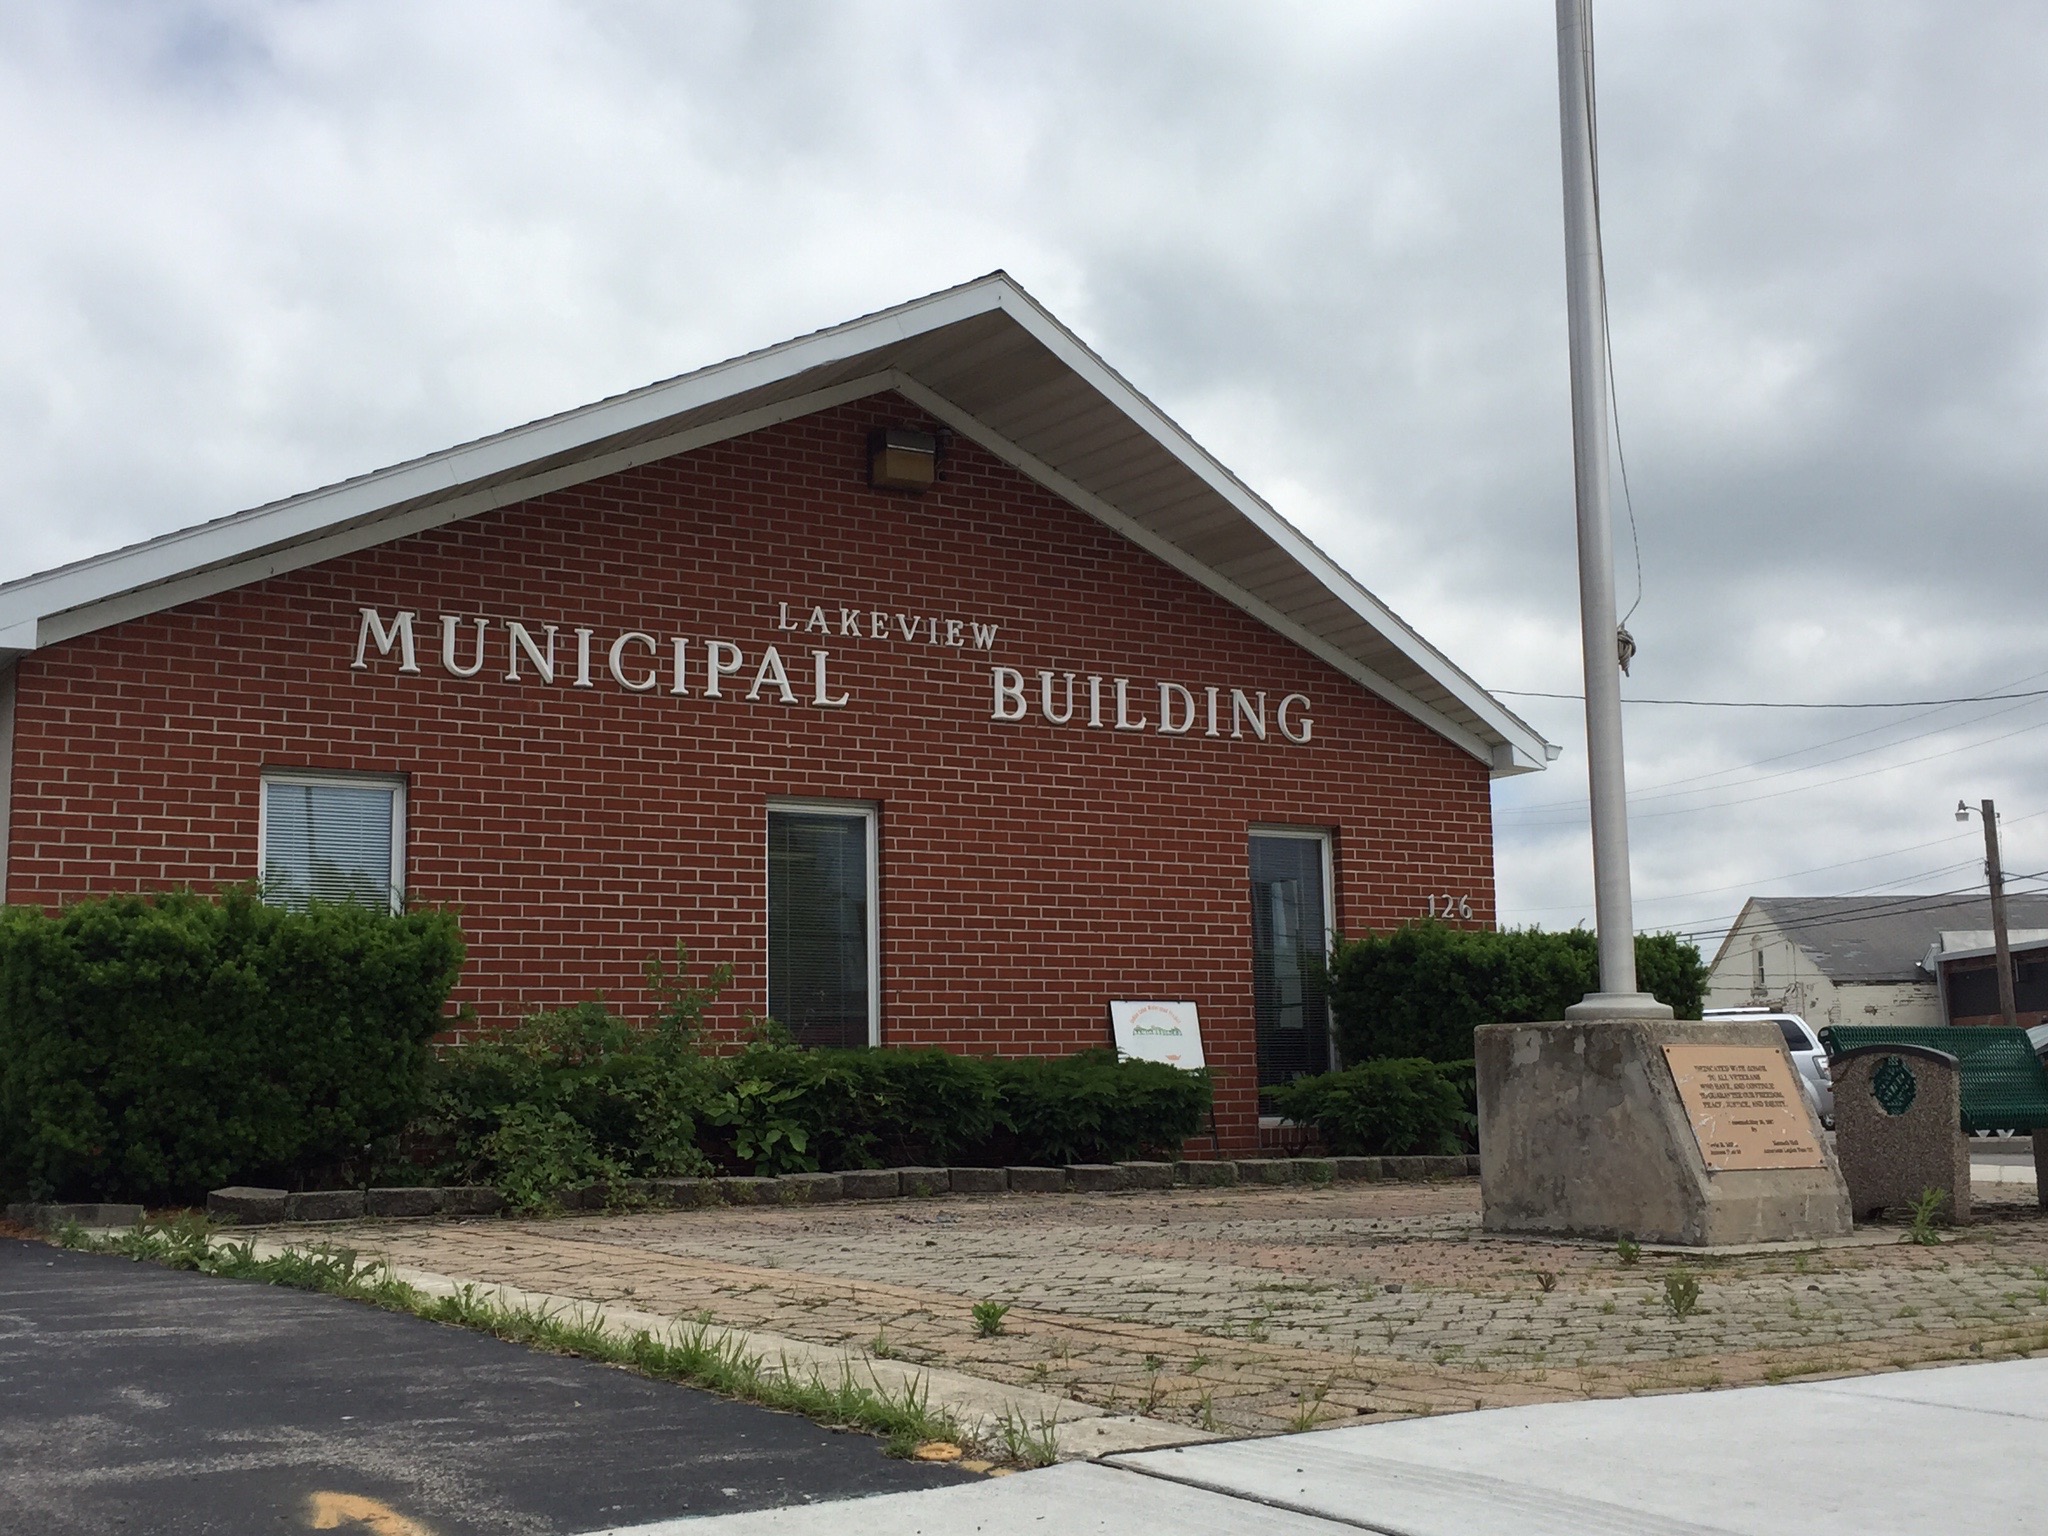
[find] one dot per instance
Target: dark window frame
(869, 814)
(1325, 840)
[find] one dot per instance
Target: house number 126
(1450, 906)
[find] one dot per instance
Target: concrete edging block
(871, 1183)
(809, 1188)
(1265, 1170)
(1352, 1170)
(246, 1204)
(1416, 1169)
(471, 1200)
(414, 1201)
(324, 1205)
(1095, 1178)
(1147, 1175)
(683, 1194)
(1037, 1181)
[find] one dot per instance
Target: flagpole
(1614, 915)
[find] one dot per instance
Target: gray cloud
(253, 248)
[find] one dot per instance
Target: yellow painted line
(330, 1511)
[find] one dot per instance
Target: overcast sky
(249, 249)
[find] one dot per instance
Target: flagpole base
(1618, 1005)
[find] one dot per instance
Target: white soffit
(984, 358)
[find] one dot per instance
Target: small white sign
(1168, 1032)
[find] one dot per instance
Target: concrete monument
(1661, 1130)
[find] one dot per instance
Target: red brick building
(958, 763)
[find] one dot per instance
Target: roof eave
(473, 477)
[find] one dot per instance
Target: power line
(1721, 923)
(1646, 791)
(1879, 906)
(1859, 890)
(1800, 789)
(1896, 906)
(1793, 874)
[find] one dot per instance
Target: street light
(1994, 873)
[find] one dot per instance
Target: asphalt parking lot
(138, 1400)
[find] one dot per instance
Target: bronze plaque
(1745, 1108)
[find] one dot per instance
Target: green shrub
(1391, 1108)
(783, 1108)
(153, 1047)
(766, 1119)
(575, 1095)
(1093, 1108)
(1670, 969)
(580, 1095)
(886, 1108)
(1421, 990)
(919, 1108)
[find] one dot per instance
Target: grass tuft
(1028, 1444)
(988, 1318)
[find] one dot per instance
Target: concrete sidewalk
(1958, 1448)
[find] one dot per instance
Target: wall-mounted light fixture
(902, 459)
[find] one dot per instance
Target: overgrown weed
(1026, 1443)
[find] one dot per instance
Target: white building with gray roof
(1855, 959)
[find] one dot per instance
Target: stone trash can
(1898, 1129)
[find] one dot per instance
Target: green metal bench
(2005, 1087)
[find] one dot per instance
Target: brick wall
(1029, 872)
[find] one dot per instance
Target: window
(332, 838)
(1795, 1037)
(824, 964)
(1290, 892)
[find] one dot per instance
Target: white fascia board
(1985, 952)
(1168, 433)
(288, 535)
(122, 606)
(232, 540)
(1172, 554)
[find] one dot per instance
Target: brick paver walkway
(1253, 1310)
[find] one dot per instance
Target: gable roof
(1877, 938)
(984, 358)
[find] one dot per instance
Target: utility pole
(1995, 872)
(1614, 908)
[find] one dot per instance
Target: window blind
(329, 842)
(818, 926)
